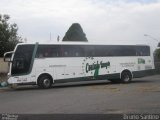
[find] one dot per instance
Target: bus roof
(79, 43)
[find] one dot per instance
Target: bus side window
(66, 53)
(79, 51)
(40, 55)
(142, 51)
(90, 51)
(55, 54)
(77, 54)
(46, 54)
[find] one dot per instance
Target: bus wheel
(126, 77)
(44, 82)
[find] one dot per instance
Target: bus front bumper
(15, 81)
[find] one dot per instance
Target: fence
(3, 66)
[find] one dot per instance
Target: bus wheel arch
(45, 80)
(126, 76)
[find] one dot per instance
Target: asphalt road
(140, 96)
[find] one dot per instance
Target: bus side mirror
(8, 56)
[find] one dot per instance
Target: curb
(4, 88)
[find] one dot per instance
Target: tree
(157, 60)
(8, 35)
(157, 54)
(75, 33)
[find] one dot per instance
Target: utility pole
(58, 38)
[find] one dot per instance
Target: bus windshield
(22, 59)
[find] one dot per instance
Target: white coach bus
(47, 64)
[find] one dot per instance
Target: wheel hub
(46, 82)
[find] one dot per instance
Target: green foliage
(75, 33)
(157, 61)
(8, 35)
(158, 54)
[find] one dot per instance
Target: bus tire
(44, 82)
(126, 77)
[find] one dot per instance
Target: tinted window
(110, 50)
(72, 51)
(22, 59)
(121, 50)
(142, 51)
(91, 50)
(125, 51)
(45, 51)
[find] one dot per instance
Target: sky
(103, 21)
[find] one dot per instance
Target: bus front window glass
(22, 59)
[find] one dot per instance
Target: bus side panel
(143, 73)
(92, 67)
